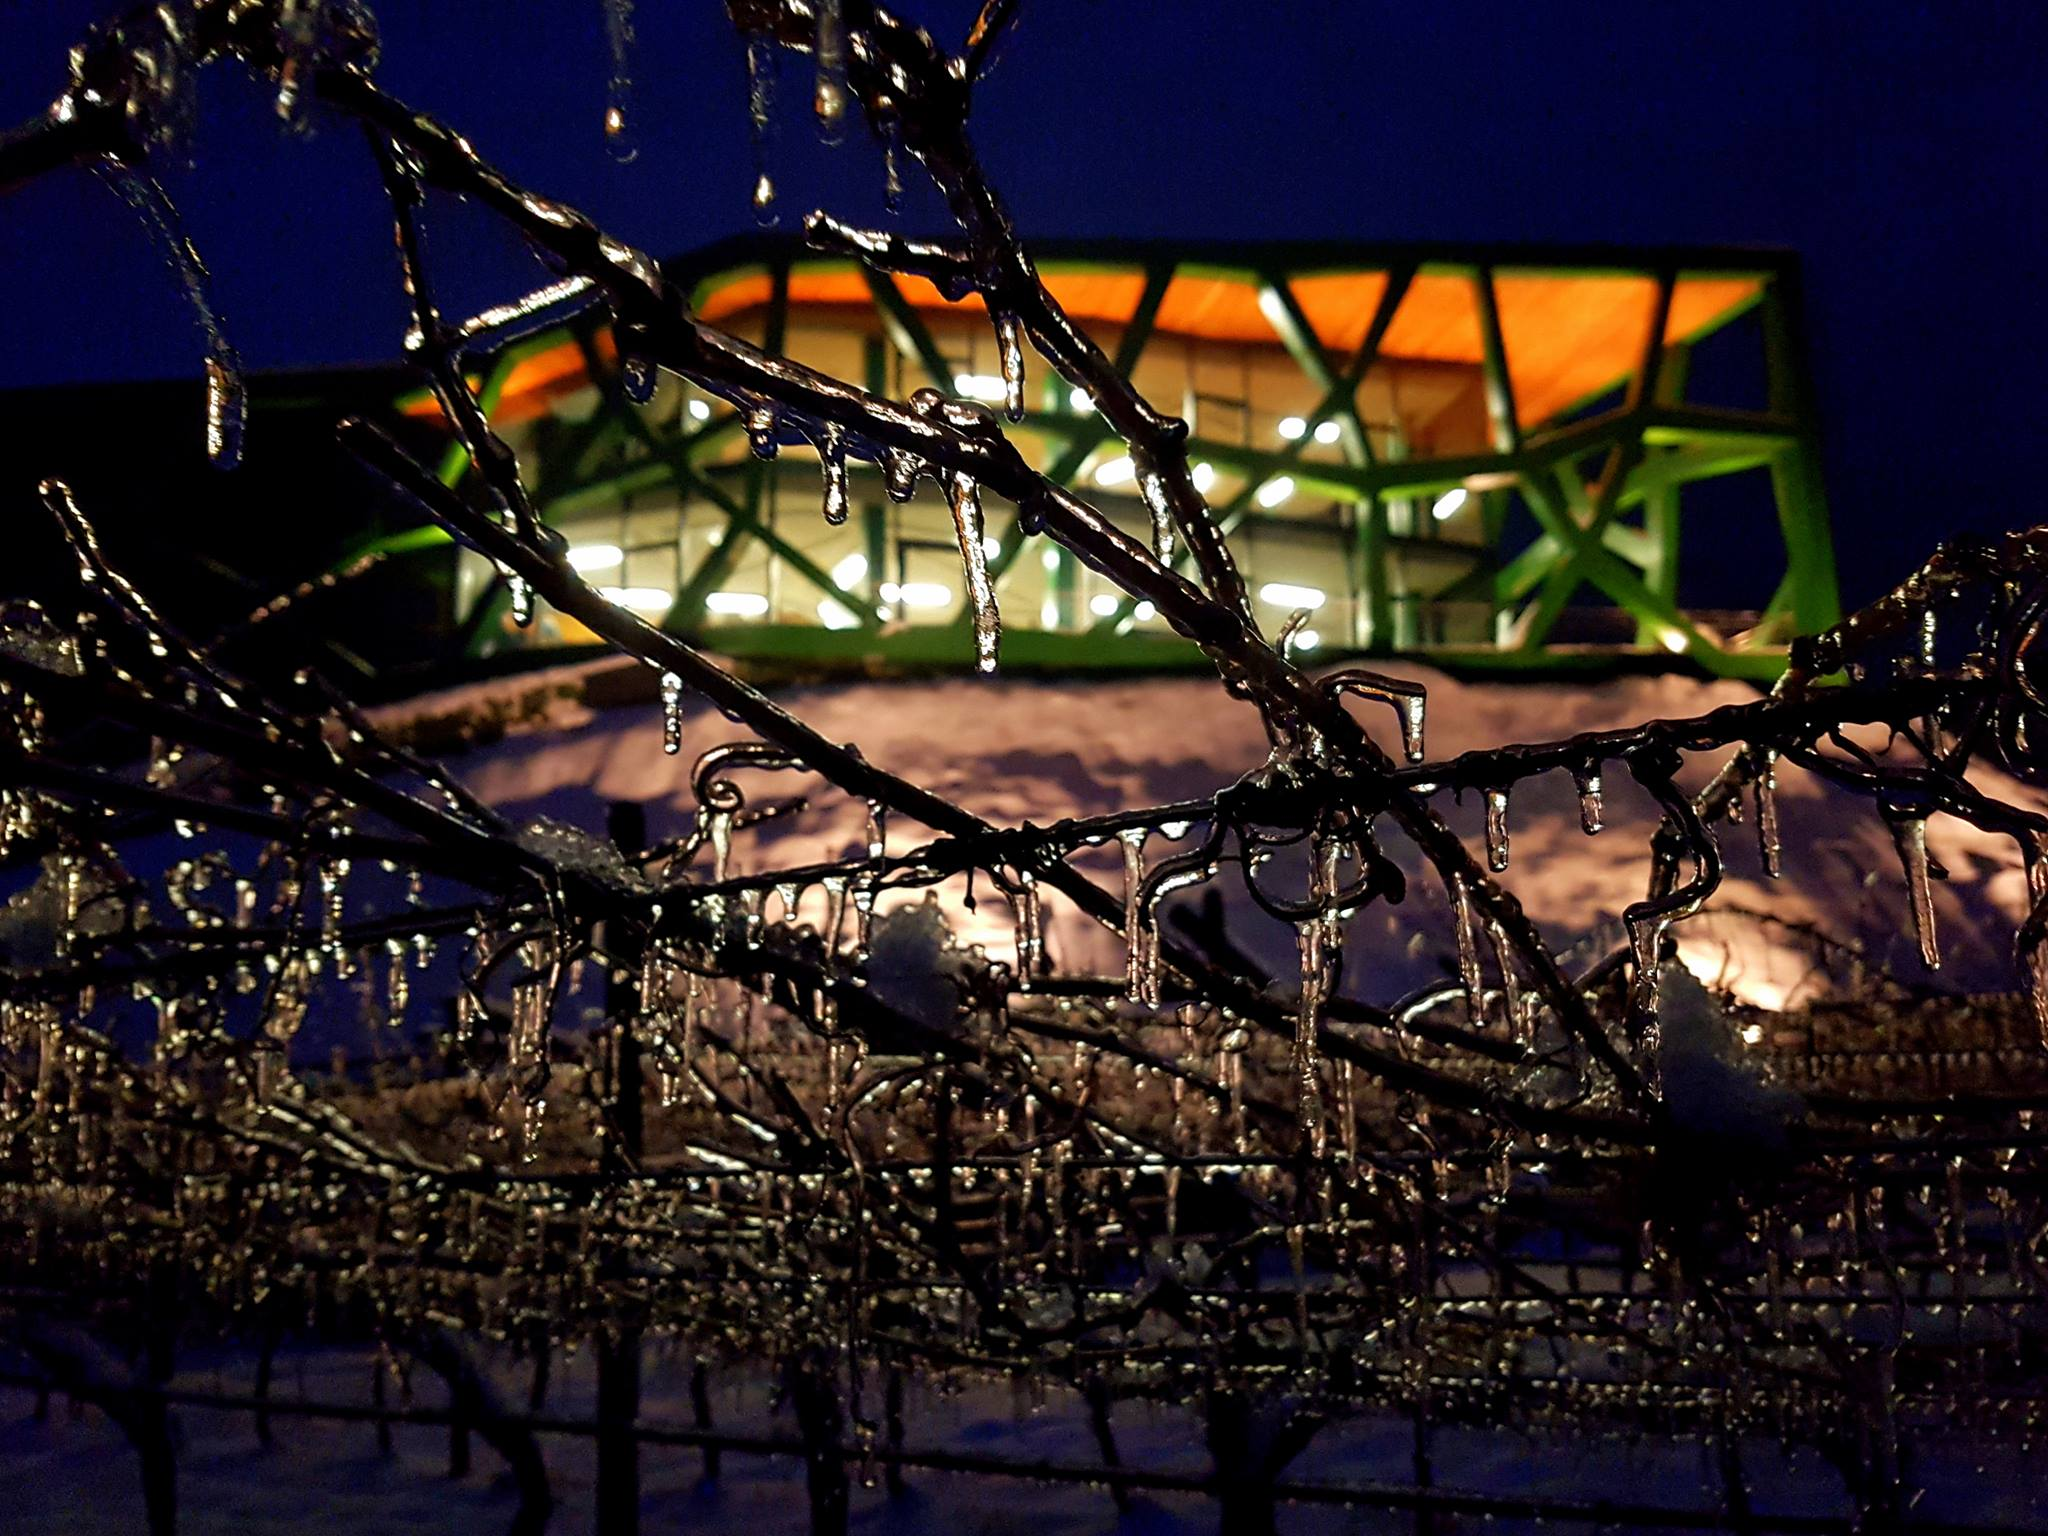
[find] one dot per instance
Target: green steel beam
(1138, 329)
(1802, 506)
(1500, 385)
(906, 328)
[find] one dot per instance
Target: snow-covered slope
(1012, 750)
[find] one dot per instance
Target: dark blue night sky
(1898, 148)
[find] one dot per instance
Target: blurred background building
(1495, 457)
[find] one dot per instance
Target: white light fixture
(1285, 594)
(1048, 614)
(1205, 476)
(1273, 492)
(834, 614)
(1447, 505)
(639, 599)
(700, 410)
(1080, 402)
(1049, 558)
(1307, 640)
(991, 546)
(1144, 613)
(1102, 604)
(924, 594)
(1327, 432)
(1292, 428)
(849, 570)
(985, 387)
(742, 605)
(594, 557)
(1116, 471)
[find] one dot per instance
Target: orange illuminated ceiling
(1568, 335)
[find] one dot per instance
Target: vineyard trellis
(1190, 1183)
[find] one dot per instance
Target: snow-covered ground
(74, 1476)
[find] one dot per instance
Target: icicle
(892, 169)
(1010, 356)
(1468, 952)
(1152, 490)
(397, 984)
(718, 829)
(1496, 830)
(832, 460)
(1307, 1059)
(1646, 943)
(761, 430)
(899, 474)
(671, 713)
(878, 829)
(1587, 778)
(1412, 709)
(1909, 836)
(863, 919)
(1510, 978)
(225, 400)
(835, 911)
(1141, 954)
(298, 38)
(760, 110)
(618, 32)
(829, 100)
(981, 594)
(1030, 928)
(520, 593)
(1767, 812)
(1317, 940)
(637, 377)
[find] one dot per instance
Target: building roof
(1573, 320)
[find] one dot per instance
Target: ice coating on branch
(1909, 836)
(1587, 779)
(761, 428)
(832, 461)
(965, 497)
(1010, 357)
(618, 36)
(226, 404)
(1496, 829)
(1767, 842)
(828, 100)
(1152, 490)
